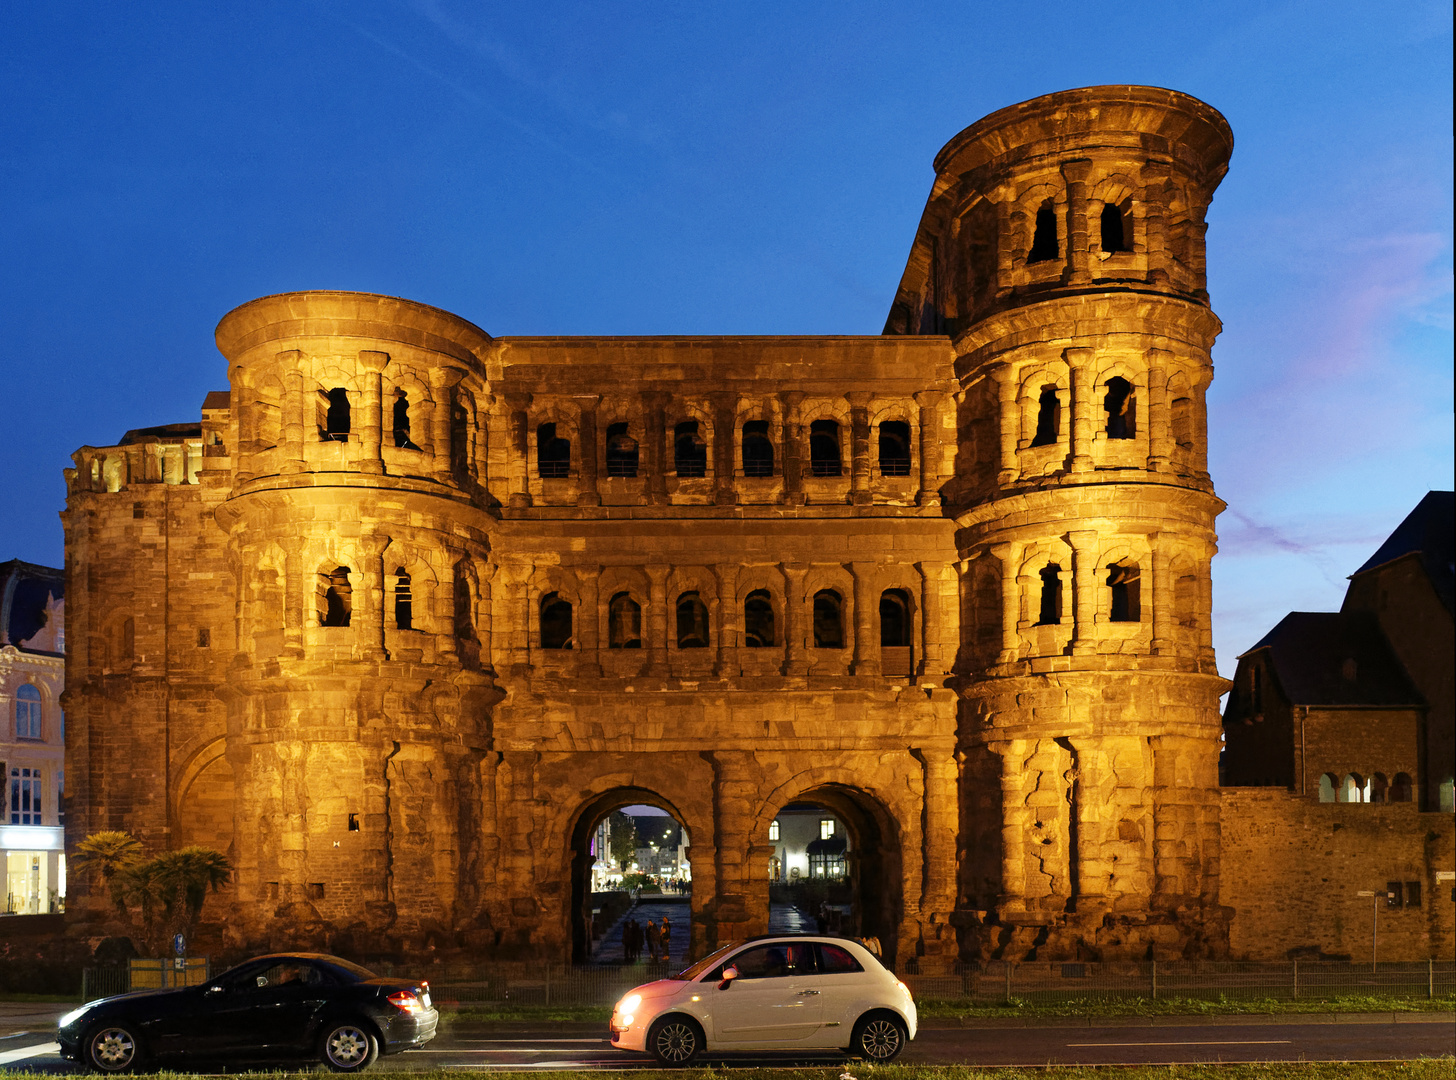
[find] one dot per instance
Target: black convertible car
(282, 1006)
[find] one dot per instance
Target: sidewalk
(41, 1016)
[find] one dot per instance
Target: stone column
(796, 661)
(728, 629)
(931, 449)
(1009, 422)
(295, 594)
(1084, 406)
(655, 432)
(587, 449)
(859, 447)
(941, 820)
(657, 620)
(585, 622)
(725, 416)
(1162, 598)
(1160, 439)
(932, 619)
(866, 651)
(1205, 607)
(740, 907)
(1008, 555)
(369, 599)
(1016, 819)
(520, 448)
(793, 448)
(1006, 225)
(294, 409)
(1079, 270)
(1199, 457)
(442, 383)
(1155, 222)
(371, 438)
(1084, 591)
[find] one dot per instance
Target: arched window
(894, 448)
(128, 639)
(553, 455)
(337, 422)
(896, 628)
(624, 623)
(824, 457)
(404, 605)
(758, 451)
(1328, 788)
(1401, 788)
(464, 605)
(758, 620)
(1048, 418)
(1123, 580)
(828, 620)
(337, 597)
(621, 451)
(1379, 787)
(1182, 409)
(555, 622)
(1050, 610)
(1114, 228)
(692, 622)
(1353, 789)
(402, 421)
(27, 712)
(689, 451)
(1044, 245)
(1120, 404)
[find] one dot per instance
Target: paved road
(1374, 1037)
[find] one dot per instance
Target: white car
(771, 993)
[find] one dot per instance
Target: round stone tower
(1063, 251)
(357, 705)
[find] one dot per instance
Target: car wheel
(675, 1040)
(878, 1037)
(112, 1048)
(348, 1047)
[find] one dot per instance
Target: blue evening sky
(739, 168)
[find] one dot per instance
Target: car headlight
(629, 1004)
(72, 1016)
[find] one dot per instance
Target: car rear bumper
(409, 1031)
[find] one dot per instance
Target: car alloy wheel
(674, 1041)
(112, 1048)
(349, 1048)
(879, 1038)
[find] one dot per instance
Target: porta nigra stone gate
(414, 607)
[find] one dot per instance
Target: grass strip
(1424, 1069)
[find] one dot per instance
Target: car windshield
(707, 963)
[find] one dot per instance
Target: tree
(160, 896)
(622, 840)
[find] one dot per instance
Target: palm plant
(112, 854)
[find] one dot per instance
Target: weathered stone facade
(413, 607)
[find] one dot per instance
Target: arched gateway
(433, 602)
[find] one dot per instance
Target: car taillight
(405, 1001)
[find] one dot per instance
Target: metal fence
(458, 985)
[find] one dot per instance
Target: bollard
(1008, 982)
(1155, 980)
(1296, 978)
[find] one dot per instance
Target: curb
(1195, 1020)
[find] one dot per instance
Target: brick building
(413, 607)
(1339, 761)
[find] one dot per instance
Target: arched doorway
(626, 842)
(836, 858)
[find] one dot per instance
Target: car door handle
(805, 993)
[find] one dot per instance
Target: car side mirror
(216, 988)
(729, 974)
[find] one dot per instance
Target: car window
(773, 961)
(288, 972)
(337, 964)
(835, 960)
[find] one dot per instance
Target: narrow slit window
(1123, 582)
(689, 450)
(404, 603)
(894, 619)
(758, 620)
(337, 417)
(337, 597)
(758, 451)
(692, 622)
(1050, 611)
(828, 620)
(553, 455)
(824, 457)
(1120, 406)
(1048, 418)
(894, 448)
(621, 451)
(624, 623)
(555, 622)
(1044, 246)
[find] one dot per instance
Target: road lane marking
(29, 1052)
(1206, 1042)
(595, 1041)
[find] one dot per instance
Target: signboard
(179, 945)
